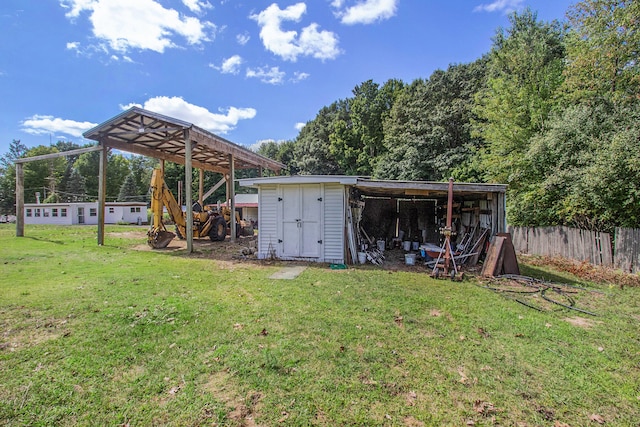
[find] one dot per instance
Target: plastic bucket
(410, 259)
(362, 257)
(406, 245)
(415, 245)
(381, 245)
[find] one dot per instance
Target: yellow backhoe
(206, 223)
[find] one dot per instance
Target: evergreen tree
(128, 190)
(76, 190)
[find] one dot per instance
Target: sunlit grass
(111, 335)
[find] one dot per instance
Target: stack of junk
(442, 237)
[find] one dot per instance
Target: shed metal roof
(151, 134)
(383, 188)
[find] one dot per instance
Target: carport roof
(151, 134)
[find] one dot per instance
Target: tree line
(552, 110)
(74, 178)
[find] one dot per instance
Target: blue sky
(249, 71)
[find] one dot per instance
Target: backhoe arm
(158, 236)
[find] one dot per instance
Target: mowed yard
(120, 336)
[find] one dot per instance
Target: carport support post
(232, 189)
(102, 193)
(201, 188)
(188, 172)
(19, 200)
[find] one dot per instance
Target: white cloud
(298, 126)
(73, 46)
(367, 11)
(140, 24)
(42, 125)
(180, 109)
(298, 76)
(231, 65)
(271, 75)
(197, 6)
(505, 6)
(243, 38)
(287, 44)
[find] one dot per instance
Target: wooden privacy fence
(572, 243)
(627, 250)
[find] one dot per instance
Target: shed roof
(378, 187)
(151, 134)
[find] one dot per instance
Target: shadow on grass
(57, 242)
(539, 273)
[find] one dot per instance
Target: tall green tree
(88, 165)
(42, 176)
(427, 134)
(128, 190)
(76, 188)
(524, 72)
(312, 152)
(8, 176)
(603, 51)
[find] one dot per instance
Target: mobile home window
(54, 212)
(93, 212)
(63, 211)
(29, 213)
(37, 212)
(45, 212)
(112, 210)
(135, 209)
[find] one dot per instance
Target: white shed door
(301, 215)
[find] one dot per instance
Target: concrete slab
(288, 273)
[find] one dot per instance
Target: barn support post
(102, 193)
(19, 200)
(201, 188)
(233, 197)
(188, 172)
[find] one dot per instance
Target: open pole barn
(166, 138)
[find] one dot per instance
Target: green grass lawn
(117, 336)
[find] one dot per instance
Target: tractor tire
(219, 230)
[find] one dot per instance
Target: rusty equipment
(443, 269)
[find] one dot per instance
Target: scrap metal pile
(538, 294)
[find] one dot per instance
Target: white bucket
(415, 246)
(381, 245)
(362, 257)
(410, 259)
(406, 245)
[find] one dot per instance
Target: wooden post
(19, 200)
(233, 197)
(188, 171)
(102, 193)
(201, 188)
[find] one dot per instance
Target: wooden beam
(188, 171)
(201, 187)
(149, 152)
(102, 193)
(222, 181)
(19, 200)
(60, 154)
(232, 187)
(239, 153)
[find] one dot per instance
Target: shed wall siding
(333, 236)
(267, 220)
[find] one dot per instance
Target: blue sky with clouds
(248, 71)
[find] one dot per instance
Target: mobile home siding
(333, 236)
(267, 221)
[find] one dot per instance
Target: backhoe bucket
(159, 239)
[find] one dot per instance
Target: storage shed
(328, 218)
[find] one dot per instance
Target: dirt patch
(21, 327)
(243, 411)
(581, 322)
